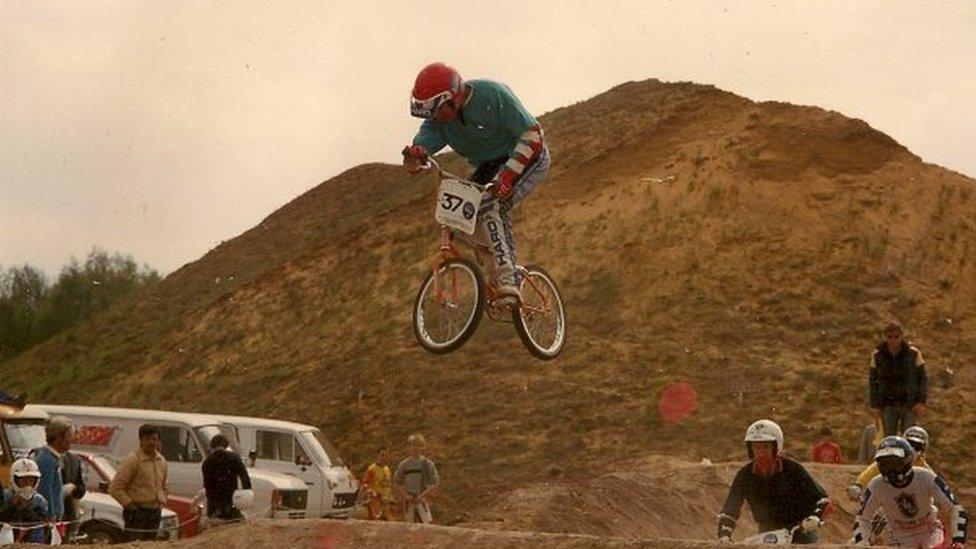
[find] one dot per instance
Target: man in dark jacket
(72, 479)
(220, 473)
(898, 385)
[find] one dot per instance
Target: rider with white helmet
(780, 492)
(21, 502)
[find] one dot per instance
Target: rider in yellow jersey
(378, 483)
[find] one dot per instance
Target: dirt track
(655, 502)
(329, 534)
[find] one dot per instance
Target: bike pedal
(507, 302)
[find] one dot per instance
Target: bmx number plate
(457, 205)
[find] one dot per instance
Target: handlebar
(432, 164)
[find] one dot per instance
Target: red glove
(506, 183)
(957, 545)
(415, 151)
(414, 156)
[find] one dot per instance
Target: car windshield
(207, 432)
(95, 471)
(24, 437)
(317, 443)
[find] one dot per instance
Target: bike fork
(446, 252)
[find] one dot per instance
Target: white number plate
(457, 205)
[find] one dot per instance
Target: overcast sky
(160, 128)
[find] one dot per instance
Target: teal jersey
(488, 128)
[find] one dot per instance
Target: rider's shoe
(507, 295)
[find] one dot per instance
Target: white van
(185, 440)
(302, 451)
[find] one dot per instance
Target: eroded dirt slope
(751, 250)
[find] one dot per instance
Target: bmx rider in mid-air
(484, 122)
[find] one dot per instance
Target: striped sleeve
(518, 122)
(862, 522)
(947, 502)
(527, 148)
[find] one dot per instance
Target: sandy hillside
(749, 250)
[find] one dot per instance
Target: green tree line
(32, 310)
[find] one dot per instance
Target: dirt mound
(655, 502)
(329, 534)
(748, 250)
(657, 497)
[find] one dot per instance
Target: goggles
(425, 108)
(892, 465)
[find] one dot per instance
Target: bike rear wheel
(541, 319)
(449, 306)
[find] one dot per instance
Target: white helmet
(917, 437)
(764, 430)
(24, 467)
(243, 499)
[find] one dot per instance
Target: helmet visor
(425, 108)
(890, 466)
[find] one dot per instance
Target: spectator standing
(827, 451)
(870, 439)
(898, 385)
(221, 471)
(416, 480)
(50, 461)
(73, 490)
(378, 484)
(140, 486)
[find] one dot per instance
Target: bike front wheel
(449, 306)
(541, 319)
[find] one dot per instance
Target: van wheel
(101, 533)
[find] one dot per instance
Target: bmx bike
(454, 296)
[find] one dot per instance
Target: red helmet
(436, 84)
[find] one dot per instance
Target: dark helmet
(894, 458)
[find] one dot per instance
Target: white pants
(418, 512)
(495, 225)
(926, 537)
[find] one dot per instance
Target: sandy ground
(329, 534)
(655, 502)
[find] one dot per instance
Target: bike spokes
(540, 321)
(448, 306)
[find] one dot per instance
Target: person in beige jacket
(140, 487)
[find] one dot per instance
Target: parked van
(302, 451)
(21, 430)
(185, 440)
